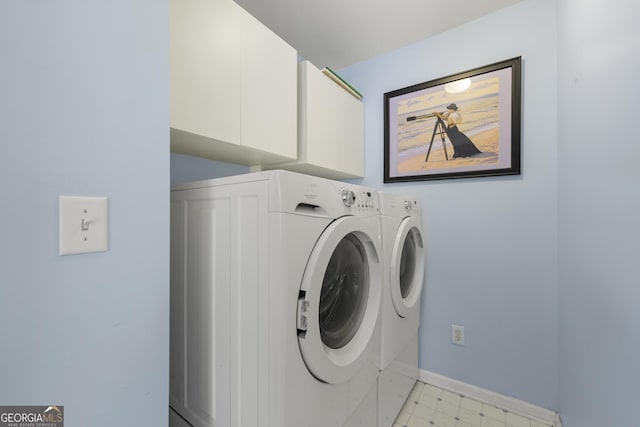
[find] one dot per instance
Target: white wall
(84, 111)
(491, 242)
(599, 200)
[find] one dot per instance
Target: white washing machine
(275, 301)
(404, 261)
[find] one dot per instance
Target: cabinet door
(334, 124)
(206, 68)
(269, 90)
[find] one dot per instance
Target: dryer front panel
(339, 302)
(406, 269)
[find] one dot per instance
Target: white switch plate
(83, 224)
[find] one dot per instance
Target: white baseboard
(492, 398)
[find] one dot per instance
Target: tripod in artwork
(439, 129)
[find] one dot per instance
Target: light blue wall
(188, 168)
(491, 242)
(599, 201)
(84, 111)
(493, 259)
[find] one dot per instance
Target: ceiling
(339, 33)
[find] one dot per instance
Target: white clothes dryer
(275, 300)
(404, 263)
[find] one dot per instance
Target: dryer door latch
(303, 307)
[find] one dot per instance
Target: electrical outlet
(457, 334)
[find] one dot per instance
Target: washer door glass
(344, 293)
(339, 300)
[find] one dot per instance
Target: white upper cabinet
(269, 91)
(330, 128)
(233, 85)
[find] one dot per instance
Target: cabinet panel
(219, 322)
(269, 90)
(330, 128)
(233, 85)
(205, 68)
(334, 128)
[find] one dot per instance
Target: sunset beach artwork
(481, 104)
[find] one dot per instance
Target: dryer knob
(407, 205)
(348, 198)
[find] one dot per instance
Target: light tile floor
(430, 406)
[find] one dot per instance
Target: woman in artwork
(462, 145)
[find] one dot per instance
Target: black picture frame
(422, 145)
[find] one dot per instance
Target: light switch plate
(83, 224)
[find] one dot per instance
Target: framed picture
(460, 126)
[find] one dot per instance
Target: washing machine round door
(406, 269)
(339, 301)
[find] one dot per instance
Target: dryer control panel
(411, 207)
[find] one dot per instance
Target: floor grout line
(431, 406)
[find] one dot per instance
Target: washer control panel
(348, 197)
(361, 200)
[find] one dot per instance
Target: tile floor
(430, 406)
